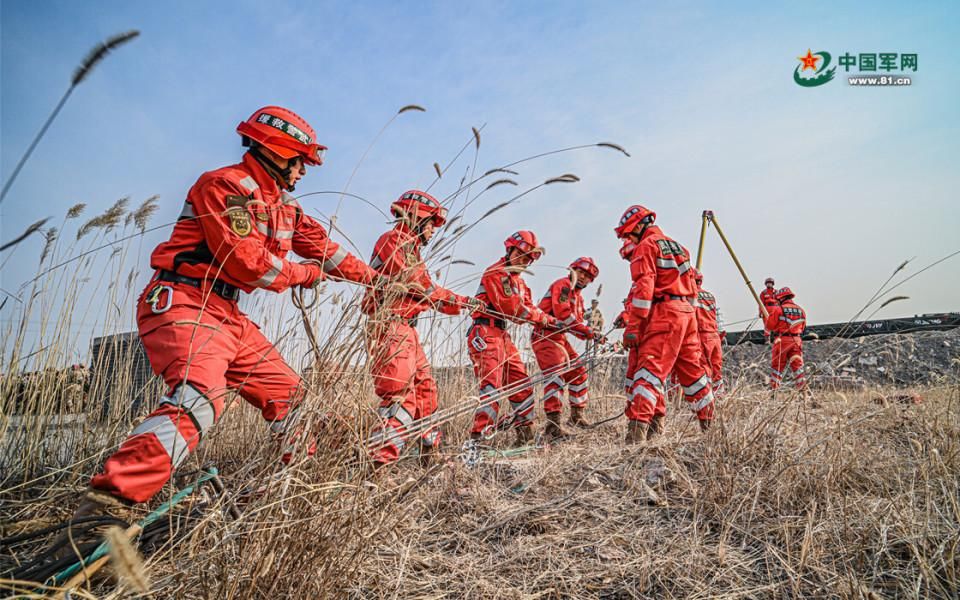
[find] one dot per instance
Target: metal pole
(703, 235)
(736, 261)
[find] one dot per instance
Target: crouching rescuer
(401, 373)
(557, 358)
(233, 235)
(496, 362)
(661, 330)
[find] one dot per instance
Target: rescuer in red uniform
(555, 355)
(662, 327)
(768, 297)
(399, 367)
(623, 319)
(709, 332)
(236, 228)
(496, 362)
(786, 323)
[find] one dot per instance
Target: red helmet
(784, 293)
(419, 205)
(634, 216)
(697, 276)
(768, 280)
(524, 241)
(283, 132)
(586, 264)
(626, 250)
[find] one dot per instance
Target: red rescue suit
(555, 355)
(496, 361)
(233, 234)
(786, 324)
(663, 327)
(401, 373)
(768, 297)
(710, 344)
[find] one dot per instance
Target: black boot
(524, 436)
(555, 431)
(96, 506)
(655, 429)
(576, 417)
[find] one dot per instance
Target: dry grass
(852, 499)
(779, 500)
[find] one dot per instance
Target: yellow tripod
(708, 218)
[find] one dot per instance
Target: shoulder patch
(235, 200)
(507, 288)
(564, 294)
(240, 222)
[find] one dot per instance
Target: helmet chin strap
(282, 176)
(418, 227)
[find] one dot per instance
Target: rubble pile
(896, 359)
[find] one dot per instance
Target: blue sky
(827, 189)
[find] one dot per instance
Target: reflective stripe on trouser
(553, 352)
(497, 364)
(787, 353)
(712, 349)
(201, 354)
(407, 390)
(669, 343)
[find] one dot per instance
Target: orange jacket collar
(266, 182)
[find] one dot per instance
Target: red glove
(581, 331)
(312, 275)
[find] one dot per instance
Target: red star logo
(809, 61)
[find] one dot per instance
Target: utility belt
(218, 287)
(498, 323)
(667, 297)
(780, 335)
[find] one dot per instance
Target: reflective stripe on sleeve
(638, 303)
(187, 212)
(335, 260)
(279, 234)
(271, 275)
